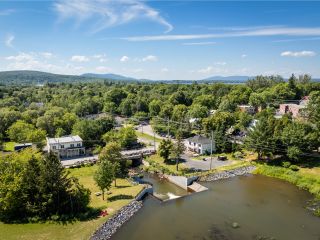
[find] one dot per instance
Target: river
(241, 208)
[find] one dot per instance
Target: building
(200, 145)
(290, 108)
(66, 147)
(296, 110)
(247, 108)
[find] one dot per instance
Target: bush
(237, 155)
(54, 217)
(294, 168)
(286, 164)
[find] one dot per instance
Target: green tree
(261, 137)
(165, 148)
(112, 153)
(155, 107)
(104, 175)
(178, 149)
(198, 111)
(21, 132)
(60, 193)
(299, 138)
(126, 136)
(313, 108)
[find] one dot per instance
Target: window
(54, 147)
(62, 146)
(72, 145)
(78, 144)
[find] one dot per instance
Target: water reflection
(241, 208)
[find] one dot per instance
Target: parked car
(222, 158)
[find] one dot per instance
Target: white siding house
(66, 147)
(200, 145)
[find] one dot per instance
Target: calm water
(262, 206)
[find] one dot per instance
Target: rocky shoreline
(227, 174)
(116, 221)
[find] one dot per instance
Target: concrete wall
(180, 181)
(147, 190)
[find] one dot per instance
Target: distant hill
(37, 77)
(228, 78)
(109, 76)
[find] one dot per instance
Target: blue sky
(161, 39)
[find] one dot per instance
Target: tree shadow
(123, 186)
(120, 197)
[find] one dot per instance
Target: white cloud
(79, 58)
(124, 59)
(298, 54)
(213, 70)
(108, 13)
(199, 43)
(47, 55)
(296, 40)
(206, 70)
(244, 55)
(103, 69)
(21, 57)
(9, 40)
(164, 70)
(100, 57)
(150, 58)
(258, 32)
(220, 63)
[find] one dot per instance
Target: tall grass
(305, 181)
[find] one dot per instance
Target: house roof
(199, 139)
(66, 139)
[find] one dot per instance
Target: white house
(200, 144)
(66, 147)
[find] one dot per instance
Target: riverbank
(239, 171)
(301, 179)
(116, 221)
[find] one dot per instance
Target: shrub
(294, 168)
(286, 164)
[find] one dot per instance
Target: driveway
(204, 165)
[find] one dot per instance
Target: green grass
(119, 197)
(157, 164)
(147, 136)
(8, 146)
(302, 179)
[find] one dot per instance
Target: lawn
(157, 163)
(147, 136)
(8, 146)
(120, 196)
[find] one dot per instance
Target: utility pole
(168, 128)
(154, 141)
(211, 149)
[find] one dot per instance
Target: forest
(30, 113)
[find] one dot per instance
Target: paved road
(204, 165)
(148, 130)
(70, 162)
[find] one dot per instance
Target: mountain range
(37, 77)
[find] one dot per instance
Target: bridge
(135, 155)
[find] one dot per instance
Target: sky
(161, 40)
